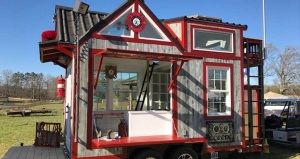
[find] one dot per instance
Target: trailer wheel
(183, 153)
(148, 154)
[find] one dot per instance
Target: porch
(34, 152)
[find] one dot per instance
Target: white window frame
(160, 91)
(227, 91)
(162, 34)
(109, 25)
(212, 31)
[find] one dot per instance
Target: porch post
(109, 93)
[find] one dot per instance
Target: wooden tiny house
(144, 87)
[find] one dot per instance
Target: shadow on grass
(26, 116)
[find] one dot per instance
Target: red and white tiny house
(144, 87)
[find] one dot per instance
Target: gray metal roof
(65, 22)
(212, 20)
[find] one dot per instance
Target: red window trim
(225, 65)
(204, 53)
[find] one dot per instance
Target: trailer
(283, 127)
(138, 87)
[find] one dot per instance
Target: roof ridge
(71, 9)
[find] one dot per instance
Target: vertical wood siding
(177, 29)
(83, 104)
(190, 100)
(155, 48)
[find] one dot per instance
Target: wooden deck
(32, 152)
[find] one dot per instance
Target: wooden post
(109, 97)
(148, 84)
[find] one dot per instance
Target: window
(119, 26)
(213, 41)
(151, 31)
(124, 92)
(218, 91)
(161, 96)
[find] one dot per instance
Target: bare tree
(286, 67)
(7, 74)
(271, 53)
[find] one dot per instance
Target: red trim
(144, 140)
(243, 92)
(174, 101)
(172, 32)
(184, 34)
(258, 116)
(90, 101)
(175, 76)
(227, 65)
(109, 52)
(73, 144)
(214, 54)
(98, 72)
(225, 148)
(215, 24)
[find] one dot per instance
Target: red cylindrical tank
(49, 35)
(60, 91)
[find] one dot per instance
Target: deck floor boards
(32, 152)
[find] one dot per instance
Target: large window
(124, 92)
(213, 41)
(218, 93)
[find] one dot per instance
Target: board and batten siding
(123, 45)
(191, 121)
(177, 29)
(82, 151)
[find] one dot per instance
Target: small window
(218, 93)
(213, 41)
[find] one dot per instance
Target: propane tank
(60, 91)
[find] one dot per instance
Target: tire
(183, 153)
(148, 154)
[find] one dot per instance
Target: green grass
(17, 129)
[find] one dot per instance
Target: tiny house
(137, 86)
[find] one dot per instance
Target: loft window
(151, 31)
(213, 41)
(218, 93)
(119, 27)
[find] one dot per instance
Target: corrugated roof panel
(66, 23)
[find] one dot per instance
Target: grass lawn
(17, 129)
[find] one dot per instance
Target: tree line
(31, 85)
